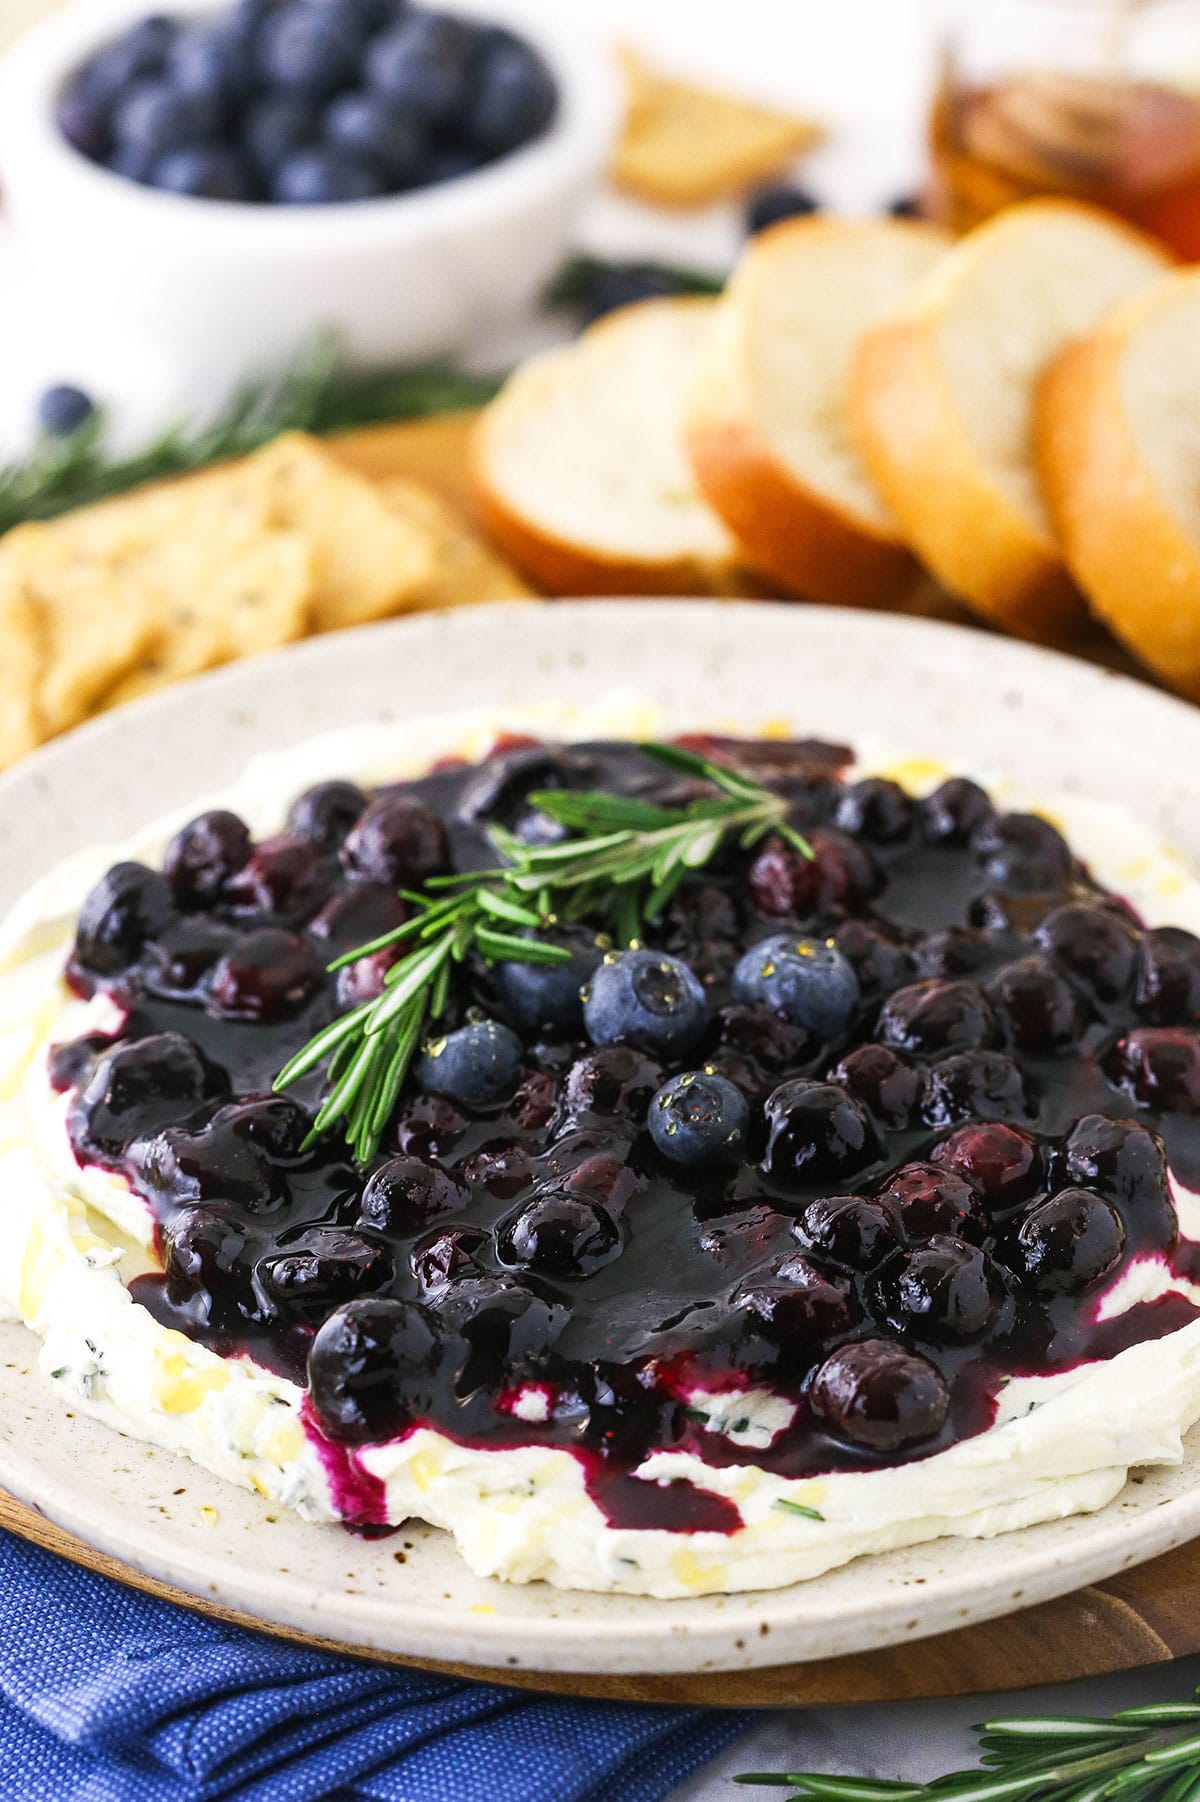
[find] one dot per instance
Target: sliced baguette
(1118, 442)
(579, 468)
(767, 431)
(942, 400)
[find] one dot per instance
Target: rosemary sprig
(1149, 1754)
(625, 863)
(317, 393)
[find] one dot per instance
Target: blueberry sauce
(950, 1086)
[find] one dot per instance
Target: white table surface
(863, 67)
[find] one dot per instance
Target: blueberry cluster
(306, 102)
(870, 1128)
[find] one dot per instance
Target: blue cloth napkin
(107, 1695)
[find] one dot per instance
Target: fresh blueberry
(132, 164)
(83, 119)
(783, 201)
(308, 46)
(808, 981)
(274, 125)
(140, 51)
(1070, 1241)
(648, 1000)
(127, 907)
(906, 206)
(325, 815)
(368, 127)
(512, 98)
(476, 1065)
(424, 65)
(544, 998)
(445, 162)
(372, 1368)
(558, 1234)
(202, 172)
(209, 56)
(817, 1134)
(157, 118)
(698, 1119)
(876, 1393)
(204, 854)
(324, 177)
(63, 409)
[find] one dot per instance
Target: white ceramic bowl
(223, 287)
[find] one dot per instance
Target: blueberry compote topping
(874, 1130)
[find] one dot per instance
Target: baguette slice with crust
(1118, 439)
(767, 431)
(579, 468)
(942, 400)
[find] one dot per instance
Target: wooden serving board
(1143, 1616)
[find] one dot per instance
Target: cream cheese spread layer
(72, 1238)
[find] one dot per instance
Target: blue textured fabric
(110, 1696)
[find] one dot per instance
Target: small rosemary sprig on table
(622, 867)
(319, 392)
(1149, 1754)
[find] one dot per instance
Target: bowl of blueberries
(231, 177)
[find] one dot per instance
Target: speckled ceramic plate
(959, 696)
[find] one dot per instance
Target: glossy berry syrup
(873, 1131)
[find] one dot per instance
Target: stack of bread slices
(1018, 412)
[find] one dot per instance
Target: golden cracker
(256, 600)
(20, 665)
(688, 146)
(369, 561)
(465, 568)
(96, 619)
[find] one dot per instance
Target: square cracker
(370, 561)
(20, 664)
(258, 598)
(95, 618)
(689, 146)
(465, 568)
